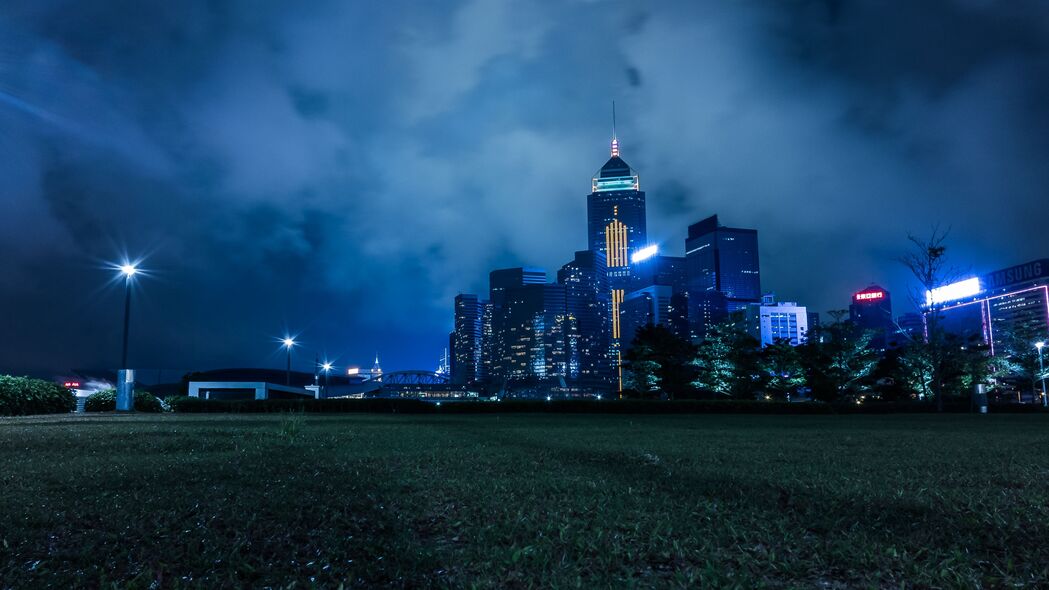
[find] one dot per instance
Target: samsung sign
(1020, 273)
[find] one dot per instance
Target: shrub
(20, 396)
(106, 401)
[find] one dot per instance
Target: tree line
(837, 361)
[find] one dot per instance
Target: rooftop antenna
(615, 140)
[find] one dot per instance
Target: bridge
(414, 378)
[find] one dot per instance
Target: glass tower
(616, 227)
(721, 260)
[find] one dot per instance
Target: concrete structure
(245, 390)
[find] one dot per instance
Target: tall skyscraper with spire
(376, 372)
(616, 227)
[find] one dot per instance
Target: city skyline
(270, 191)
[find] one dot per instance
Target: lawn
(522, 500)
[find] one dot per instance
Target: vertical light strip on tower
(616, 244)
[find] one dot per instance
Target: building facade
(722, 260)
(993, 306)
(871, 309)
(587, 300)
(467, 341)
(769, 321)
(617, 227)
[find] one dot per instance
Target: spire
(615, 140)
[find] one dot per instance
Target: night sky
(342, 169)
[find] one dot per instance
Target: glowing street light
(126, 380)
(289, 343)
(327, 369)
(1041, 371)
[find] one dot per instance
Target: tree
(838, 359)
(726, 362)
(928, 264)
(1016, 358)
(954, 367)
(659, 360)
(781, 366)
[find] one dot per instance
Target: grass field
(525, 501)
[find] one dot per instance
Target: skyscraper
(536, 338)
(871, 309)
(657, 295)
(616, 226)
(507, 329)
(587, 299)
(467, 343)
(723, 260)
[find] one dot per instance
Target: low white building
(770, 321)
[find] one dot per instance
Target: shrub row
(20, 396)
(413, 406)
(106, 401)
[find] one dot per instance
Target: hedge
(20, 396)
(414, 406)
(106, 401)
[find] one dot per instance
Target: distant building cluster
(572, 333)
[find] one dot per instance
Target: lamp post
(289, 342)
(327, 369)
(125, 377)
(1041, 372)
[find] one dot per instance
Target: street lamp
(1041, 371)
(125, 378)
(327, 369)
(289, 342)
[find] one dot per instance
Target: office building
(667, 271)
(909, 326)
(871, 309)
(616, 225)
(467, 340)
(536, 338)
(587, 297)
(723, 260)
(769, 321)
(1008, 301)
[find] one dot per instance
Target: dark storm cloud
(345, 169)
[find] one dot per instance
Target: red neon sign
(870, 296)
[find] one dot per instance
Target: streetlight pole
(127, 318)
(125, 401)
(327, 369)
(1041, 372)
(288, 343)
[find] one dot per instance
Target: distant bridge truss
(414, 378)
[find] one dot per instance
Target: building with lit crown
(871, 309)
(616, 226)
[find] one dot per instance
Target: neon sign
(870, 296)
